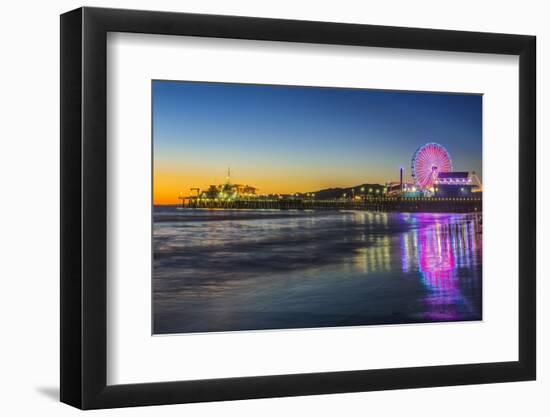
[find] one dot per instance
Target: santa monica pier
(432, 185)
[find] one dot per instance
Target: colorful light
(427, 162)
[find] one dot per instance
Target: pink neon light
(428, 161)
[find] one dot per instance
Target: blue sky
(293, 137)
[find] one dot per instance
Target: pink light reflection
(437, 264)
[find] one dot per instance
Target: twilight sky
(285, 139)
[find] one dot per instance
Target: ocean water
(228, 270)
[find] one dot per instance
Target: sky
(287, 139)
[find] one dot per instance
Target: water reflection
(236, 270)
(438, 246)
(444, 248)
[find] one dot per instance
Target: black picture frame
(84, 207)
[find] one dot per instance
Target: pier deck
(421, 204)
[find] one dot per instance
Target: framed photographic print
(257, 208)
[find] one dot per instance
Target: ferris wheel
(427, 161)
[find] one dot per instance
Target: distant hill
(331, 193)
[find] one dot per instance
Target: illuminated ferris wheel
(427, 161)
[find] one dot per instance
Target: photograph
(293, 207)
(281, 204)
